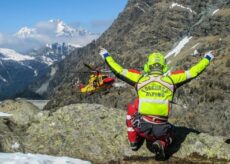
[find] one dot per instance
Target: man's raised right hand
(209, 55)
(103, 52)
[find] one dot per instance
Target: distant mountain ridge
(19, 70)
(59, 29)
(26, 32)
(52, 53)
(51, 31)
(8, 54)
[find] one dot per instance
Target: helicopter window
(104, 76)
(95, 83)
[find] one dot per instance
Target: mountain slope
(8, 54)
(18, 70)
(176, 29)
(52, 53)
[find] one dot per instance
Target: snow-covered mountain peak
(64, 30)
(53, 52)
(8, 54)
(25, 32)
(56, 27)
(49, 31)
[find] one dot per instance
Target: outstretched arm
(194, 71)
(128, 75)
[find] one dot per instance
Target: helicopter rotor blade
(88, 66)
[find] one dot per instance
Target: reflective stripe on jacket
(155, 91)
(154, 95)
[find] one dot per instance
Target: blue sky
(94, 15)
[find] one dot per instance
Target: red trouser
(134, 133)
(132, 110)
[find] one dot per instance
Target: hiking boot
(136, 145)
(159, 150)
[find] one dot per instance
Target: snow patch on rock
(195, 46)
(3, 79)
(179, 47)
(47, 60)
(119, 85)
(15, 145)
(214, 12)
(183, 7)
(2, 114)
(53, 71)
(35, 73)
(138, 6)
(195, 53)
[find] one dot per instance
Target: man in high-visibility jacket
(148, 116)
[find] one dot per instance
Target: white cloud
(46, 27)
(46, 32)
(21, 44)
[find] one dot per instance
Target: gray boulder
(22, 112)
(12, 127)
(98, 134)
(87, 131)
(204, 145)
(9, 141)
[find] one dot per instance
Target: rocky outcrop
(204, 145)
(12, 127)
(98, 133)
(86, 131)
(22, 112)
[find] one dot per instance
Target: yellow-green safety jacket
(155, 91)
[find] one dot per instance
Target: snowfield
(183, 7)
(20, 158)
(2, 114)
(13, 55)
(179, 47)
